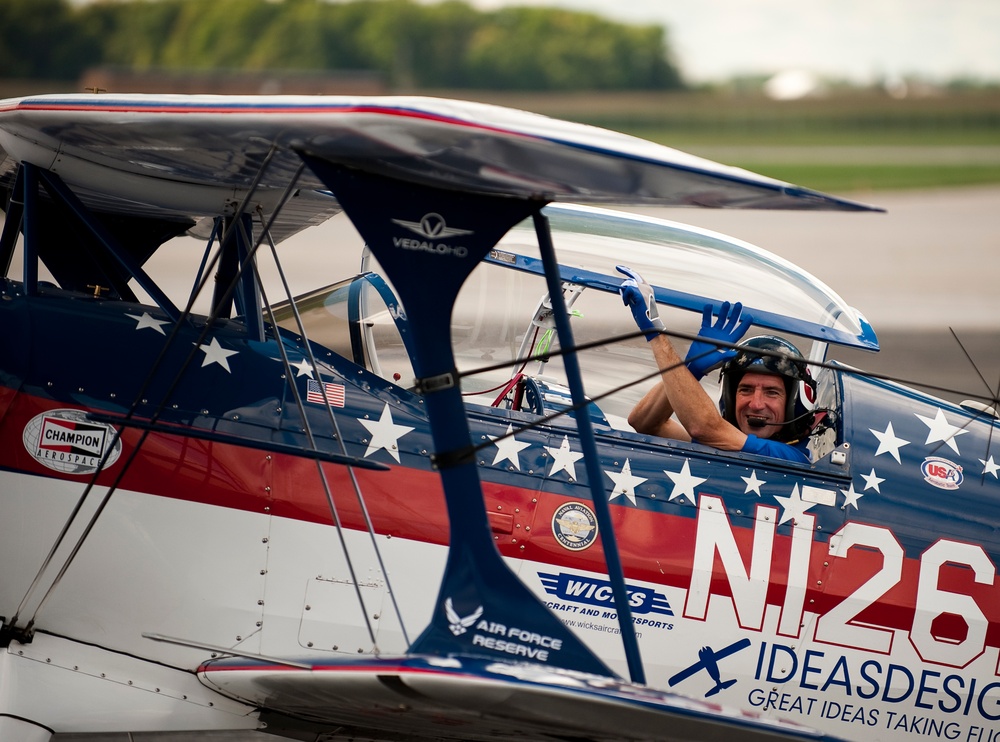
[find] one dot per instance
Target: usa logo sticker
(941, 473)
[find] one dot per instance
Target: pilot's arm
(680, 391)
(696, 411)
(653, 415)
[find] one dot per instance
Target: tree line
(444, 45)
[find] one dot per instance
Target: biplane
(406, 503)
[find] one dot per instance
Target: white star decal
(872, 481)
(508, 448)
(625, 482)
(148, 320)
(888, 442)
(684, 483)
(563, 459)
(851, 497)
(753, 484)
(303, 368)
(989, 467)
(385, 434)
(793, 505)
(215, 353)
(942, 430)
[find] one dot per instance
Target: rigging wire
(996, 393)
(507, 384)
(603, 342)
(335, 514)
(204, 275)
(612, 340)
(185, 314)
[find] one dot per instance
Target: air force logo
(460, 624)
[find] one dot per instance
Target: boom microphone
(796, 419)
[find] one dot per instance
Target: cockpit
(504, 337)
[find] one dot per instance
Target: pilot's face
(760, 404)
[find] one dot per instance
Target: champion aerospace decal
(65, 441)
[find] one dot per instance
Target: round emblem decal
(575, 526)
(66, 441)
(942, 473)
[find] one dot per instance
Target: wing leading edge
(477, 699)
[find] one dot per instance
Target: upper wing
(191, 156)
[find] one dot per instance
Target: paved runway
(932, 260)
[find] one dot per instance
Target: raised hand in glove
(732, 325)
(638, 296)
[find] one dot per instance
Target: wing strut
(54, 184)
(591, 459)
(236, 282)
(31, 229)
(423, 240)
(355, 485)
(12, 222)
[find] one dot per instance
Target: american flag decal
(334, 393)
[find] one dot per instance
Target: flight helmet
(780, 358)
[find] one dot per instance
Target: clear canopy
(501, 323)
(691, 267)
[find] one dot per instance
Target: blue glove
(638, 296)
(731, 326)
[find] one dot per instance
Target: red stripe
(656, 547)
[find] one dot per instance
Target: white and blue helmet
(767, 354)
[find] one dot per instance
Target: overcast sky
(861, 40)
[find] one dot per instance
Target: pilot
(760, 411)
